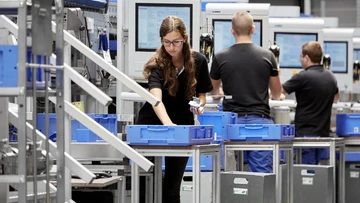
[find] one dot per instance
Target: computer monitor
(148, 18)
(339, 55)
(290, 47)
(356, 54)
(223, 37)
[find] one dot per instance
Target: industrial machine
(338, 43)
(219, 16)
(143, 24)
(290, 34)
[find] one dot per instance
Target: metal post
(135, 183)
(217, 170)
(196, 176)
(34, 113)
(149, 189)
(322, 8)
(333, 164)
(47, 148)
(22, 56)
(276, 166)
(341, 185)
(4, 126)
(307, 7)
(158, 178)
(60, 138)
(120, 54)
(67, 121)
(290, 162)
(121, 186)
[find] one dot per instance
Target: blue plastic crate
(80, 133)
(83, 134)
(40, 124)
(258, 132)
(205, 161)
(180, 135)
(220, 120)
(350, 156)
(348, 124)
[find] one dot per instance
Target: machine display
(356, 54)
(223, 37)
(339, 55)
(149, 17)
(290, 45)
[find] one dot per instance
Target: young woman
(175, 74)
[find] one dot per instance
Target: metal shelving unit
(23, 181)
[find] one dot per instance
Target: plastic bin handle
(350, 116)
(254, 127)
(158, 129)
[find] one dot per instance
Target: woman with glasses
(175, 75)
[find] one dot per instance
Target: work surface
(97, 183)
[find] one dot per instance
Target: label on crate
(356, 129)
(354, 174)
(187, 188)
(307, 181)
(240, 191)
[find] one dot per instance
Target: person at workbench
(246, 72)
(175, 75)
(315, 90)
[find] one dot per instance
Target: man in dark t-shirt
(314, 88)
(246, 72)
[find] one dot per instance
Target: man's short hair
(242, 23)
(313, 50)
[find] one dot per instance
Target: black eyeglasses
(176, 43)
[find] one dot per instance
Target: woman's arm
(160, 109)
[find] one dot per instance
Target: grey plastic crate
(247, 187)
(352, 182)
(313, 183)
(186, 189)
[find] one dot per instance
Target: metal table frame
(274, 146)
(195, 151)
(333, 144)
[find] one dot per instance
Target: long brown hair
(162, 59)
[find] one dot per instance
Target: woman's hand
(170, 124)
(197, 110)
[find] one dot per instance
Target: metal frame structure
(23, 132)
(333, 144)
(195, 151)
(275, 146)
(63, 73)
(210, 102)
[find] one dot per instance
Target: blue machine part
(9, 70)
(8, 65)
(103, 42)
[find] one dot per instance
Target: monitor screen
(223, 37)
(149, 17)
(356, 54)
(290, 47)
(338, 52)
